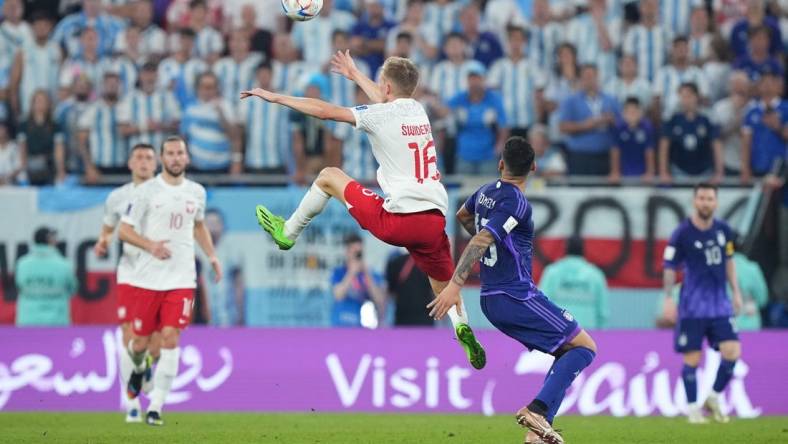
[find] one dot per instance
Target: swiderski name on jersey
(416, 130)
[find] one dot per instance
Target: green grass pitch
(237, 428)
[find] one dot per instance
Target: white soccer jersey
(401, 139)
(115, 207)
(160, 211)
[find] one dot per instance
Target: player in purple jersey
(499, 218)
(702, 247)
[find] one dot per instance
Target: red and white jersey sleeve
(163, 212)
(401, 138)
(116, 205)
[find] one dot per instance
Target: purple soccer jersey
(702, 255)
(501, 208)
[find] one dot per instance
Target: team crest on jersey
(138, 323)
(698, 244)
(190, 207)
(721, 238)
(568, 316)
(361, 107)
(683, 339)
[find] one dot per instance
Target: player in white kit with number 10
(413, 212)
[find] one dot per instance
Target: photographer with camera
(353, 284)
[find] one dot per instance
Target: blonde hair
(403, 75)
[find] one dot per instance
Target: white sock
(166, 371)
(137, 359)
(456, 318)
(126, 367)
(313, 203)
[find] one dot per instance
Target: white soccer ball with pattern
(302, 10)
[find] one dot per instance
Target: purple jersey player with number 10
(499, 218)
(702, 247)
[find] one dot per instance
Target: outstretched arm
(311, 107)
(342, 63)
(450, 296)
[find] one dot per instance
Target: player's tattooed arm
(475, 250)
(465, 218)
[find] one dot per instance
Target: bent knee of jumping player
(333, 181)
(583, 339)
(169, 337)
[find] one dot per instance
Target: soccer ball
(302, 10)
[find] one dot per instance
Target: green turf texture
(236, 428)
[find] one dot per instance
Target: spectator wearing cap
(11, 167)
(353, 284)
(41, 143)
(265, 129)
(578, 286)
(544, 36)
(520, 84)
(35, 66)
(690, 144)
(482, 125)
(45, 282)
(758, 59)
(484, 45)
(92, 15)
(728, 114)
(596, 38)
(756, 17)
(313, 38)
(67, 115)
(587, 118)
(236, 71)
(633, 152)
(178, 73)
(765, 129)
(670, 77)
(549, 160)
(210, 128)
(628, 84)
(312, 147)
(101, 143)
(149, 113)
(647, 41)
(425, 39)
(369, 35)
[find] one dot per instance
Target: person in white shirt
(425, 38)
(401, 138)
(35, 66)
(313, 38)
(209, 43)
(142, 164)
(10, 160)
(164, 220)
(628, 83)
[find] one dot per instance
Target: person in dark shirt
(758, 59)
(410, 289)
(633, 153)
(41, 143)
(690, 144)
(311, 146)
(486, 47)
(369, 36)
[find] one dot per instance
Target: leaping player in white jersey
(165, 218)
(142, 164)
(413, 212)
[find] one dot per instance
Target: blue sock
(564, 371)
(688, 375)
(552, 411)
(724, 375)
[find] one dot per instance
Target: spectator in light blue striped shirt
(236, 71)
(87, 63)
(152, 44)
(35, 66)
(700, 38)
(148, 114)
(670, 77)
(676, 15)
(520, 83)
(313, 38)
(209, 44)
(544, 37)
(103, 147)
(596, 38)
(629, 84)
(287, 67)
(108, 27)
(342, 91)
(266, 131)
(357, 159)
(208, 124)
(67, 115)
(647, 41)
(179, 72)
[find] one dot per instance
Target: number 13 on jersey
(492, 251)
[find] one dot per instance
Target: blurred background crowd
(651, 92)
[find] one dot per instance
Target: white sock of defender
(456, 318)
(166, 371)
(126, 367)
(313, 203)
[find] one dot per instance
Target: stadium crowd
(650, 90)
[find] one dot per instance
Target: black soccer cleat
(134, 387)
(154, 419)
